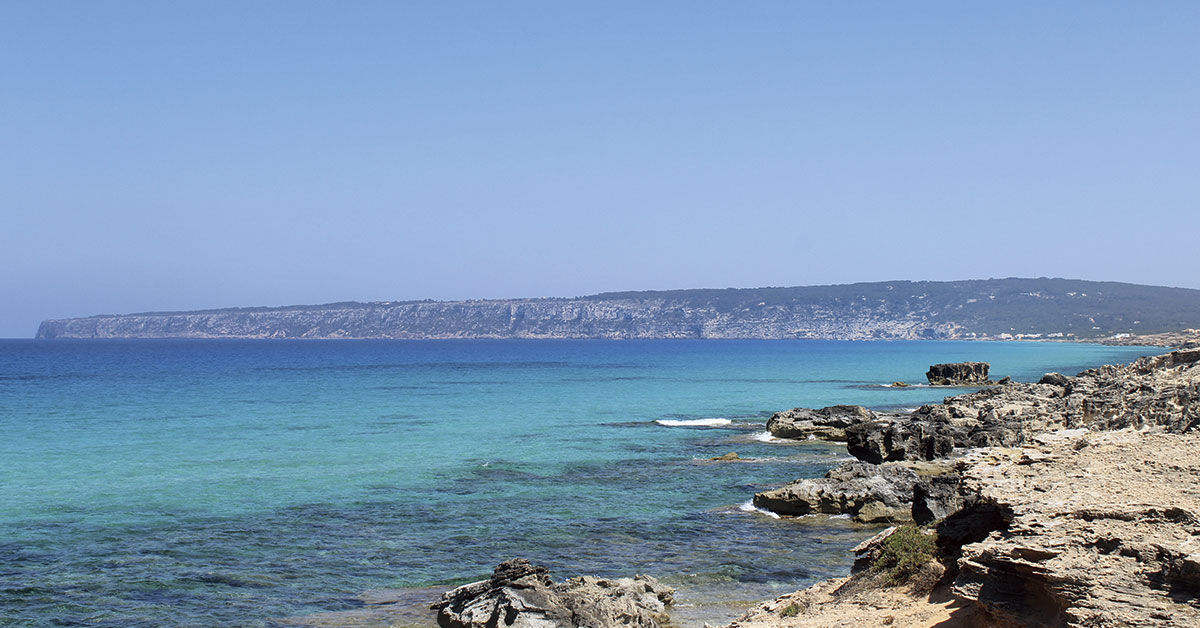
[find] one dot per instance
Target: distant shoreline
(1178, 340)
(993, 309)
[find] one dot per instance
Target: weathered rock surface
(1087, 514)
(1055, 379)
(931, 432)
(1081, 529)
(1101, 529)
(828, 423)
(959, 374)
(869, 493)
(521, 595)
(1161, 392)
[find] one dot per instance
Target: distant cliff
(992, 308)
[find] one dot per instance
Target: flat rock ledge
(521, 595)
(822, 424)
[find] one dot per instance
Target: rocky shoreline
(1074, 501)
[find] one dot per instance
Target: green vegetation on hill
(992, 308)
(983, 306)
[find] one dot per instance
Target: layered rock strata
(1099, 529)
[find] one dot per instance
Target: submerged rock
(828, 423)
(958, 374)
(521, 595)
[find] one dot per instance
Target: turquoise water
(234, 483)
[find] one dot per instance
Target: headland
(991, 309)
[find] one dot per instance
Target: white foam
(693, 422)
(750, 507)
(765, 437)
(841, 516)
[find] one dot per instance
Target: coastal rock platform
(1095, 529)
(1074, 502)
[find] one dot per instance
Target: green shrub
(792, 610)
(904, 553)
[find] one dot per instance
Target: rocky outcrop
(1161, 392)
(1079, 529)
(1087, 514)
(1102, 529)
(930, 433)
(869, 493)
(959, 374)
(828, 423)
(1055, 379)
(521, 595)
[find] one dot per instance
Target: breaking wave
(693, 422)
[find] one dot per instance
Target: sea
(262, 483)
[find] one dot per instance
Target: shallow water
(232, 483)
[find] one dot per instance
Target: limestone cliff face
(994, 308)
(549, 318)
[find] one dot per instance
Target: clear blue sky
(207, 154)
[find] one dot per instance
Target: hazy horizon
(166, 158)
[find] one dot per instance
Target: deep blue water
(233, 483)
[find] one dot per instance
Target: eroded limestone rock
(959, 374)
(826, 423)
(869, 493)
(521, 595)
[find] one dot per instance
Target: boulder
(911, 438)
(1055, 379)
(521, 595)
(828, 423)
(869, 493)
(959, 374)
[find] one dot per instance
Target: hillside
(991, 308)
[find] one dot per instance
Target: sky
(171, 156)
